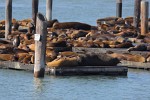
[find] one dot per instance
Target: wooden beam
(144, 17)
(118, 8)
(35, 4)
(40, 46)
(49, 4)
(8, 18)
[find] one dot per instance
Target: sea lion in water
(72, 25)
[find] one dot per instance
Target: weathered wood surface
(137, 12)
(35, 4)
(144, 17)
(8, 18)
(49, 9)
(40, 46)
(118, 8)
(104, 50)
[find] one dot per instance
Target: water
(16, 85)
(87, 11)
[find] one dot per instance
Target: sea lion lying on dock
(72, 25)
(140, 47)
(93, 59)
(127, 56)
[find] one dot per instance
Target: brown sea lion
(135, 58)
(6, 57)
(64, 62)
(72, 25)
(32, 47)
(148, 59)
(27, 59)
(21, 56)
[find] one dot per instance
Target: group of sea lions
(111, 32)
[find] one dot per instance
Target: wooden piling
(144, 17)
(118, 8)
(35, 4)
(8, 18)
(40, 46)
(49, 4)
(137, 12)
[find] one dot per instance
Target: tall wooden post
(144, 17)
(8, 18)
(137, 12)
(40, 46)
(35, 4)
(118, 8)
(49, 4)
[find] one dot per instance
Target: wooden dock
(79, 70)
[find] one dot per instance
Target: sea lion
(140, 47)
(51, 22)
(78, 33)
(21, 56)
(135, 58)
(32, 47)
(6, 57)
(64, 62)
(27, 59)
(124, 45)
(16, 41)
(93, 59)
(72, 25)
(68, 54)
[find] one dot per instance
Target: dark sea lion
(57, 44)
(124, 45)
(140, 47)
(93, 59)
(16, 41)
(51, 22)
(72, 25)
(78, 33)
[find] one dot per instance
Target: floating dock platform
(69, 71)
